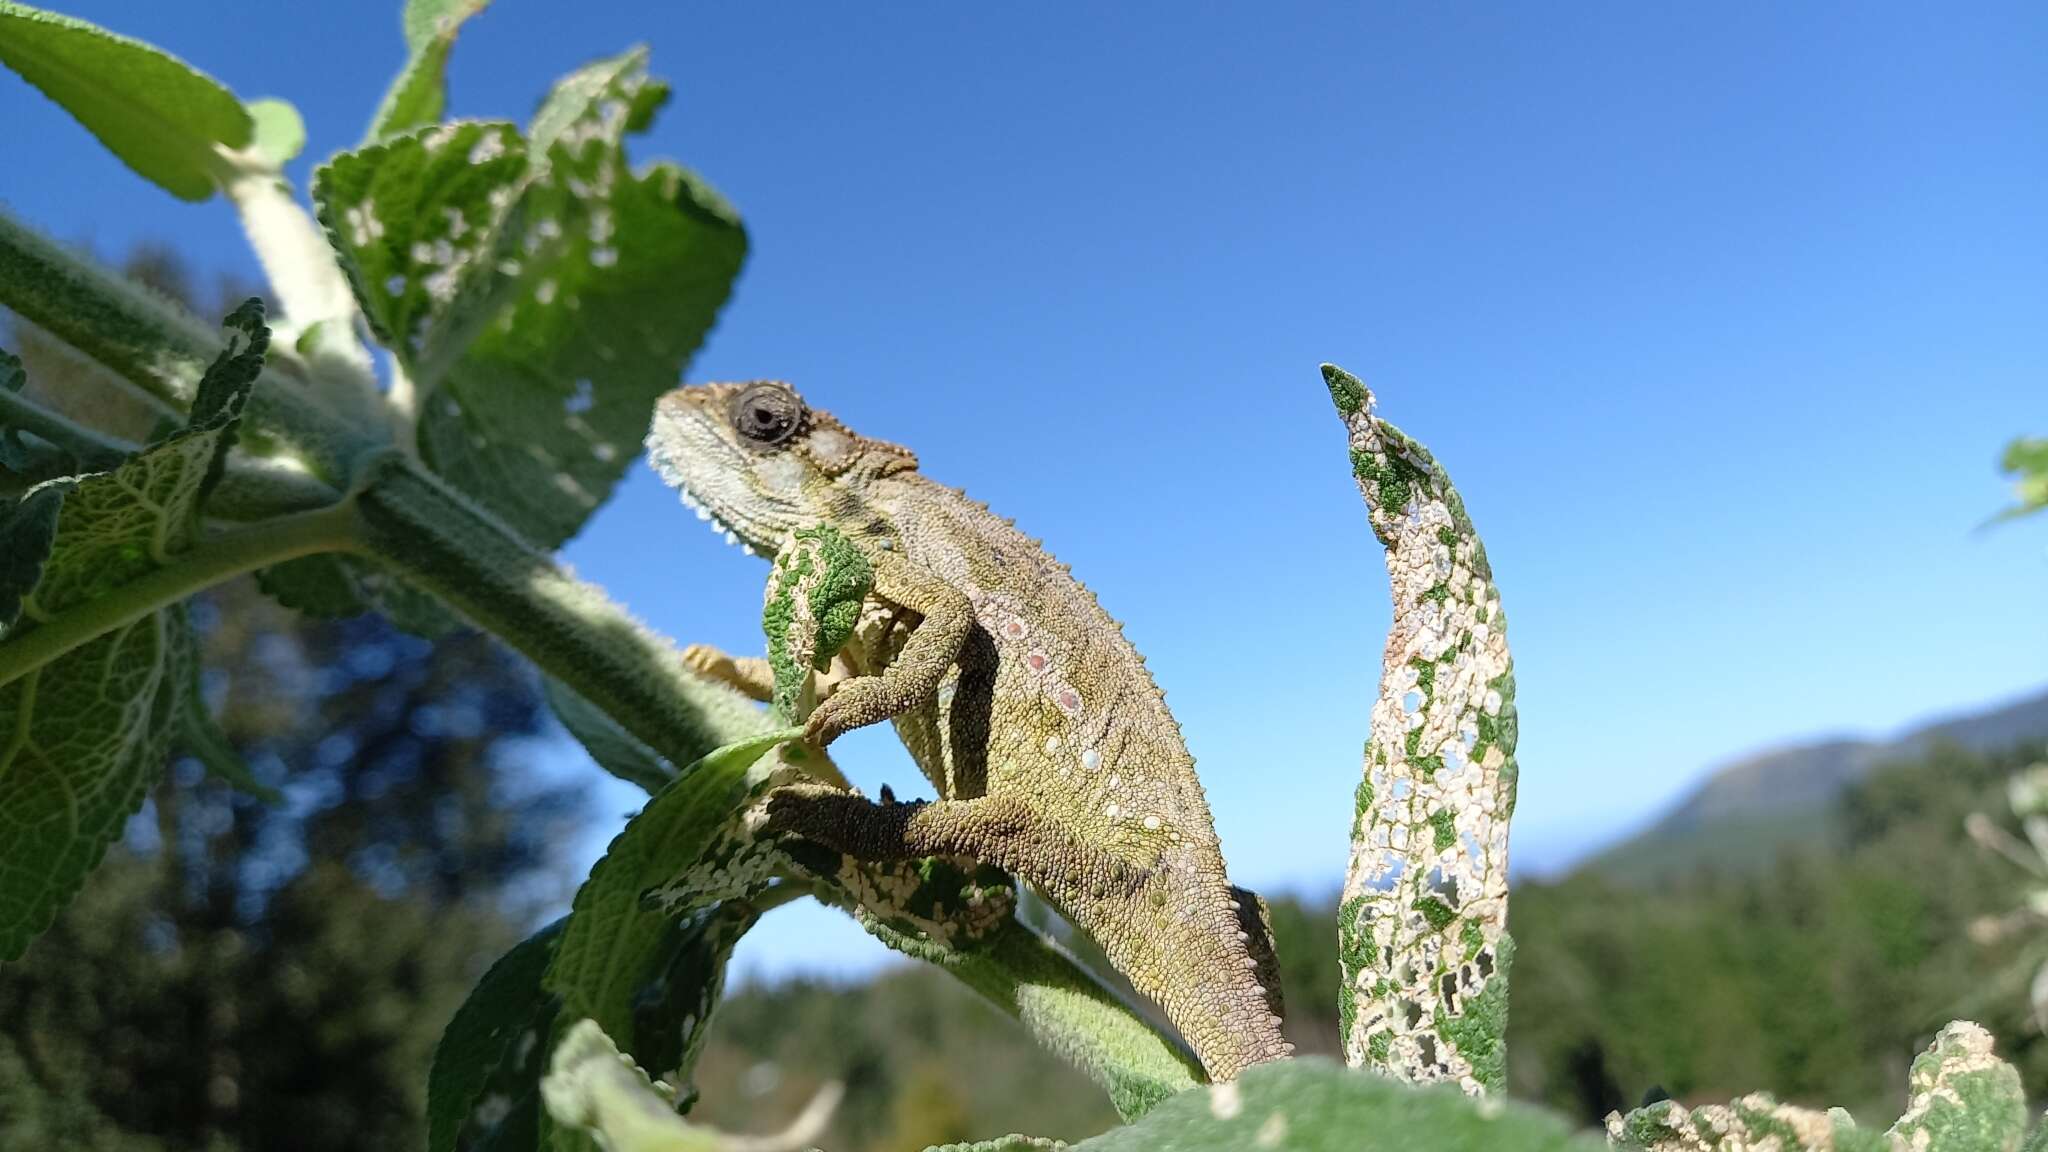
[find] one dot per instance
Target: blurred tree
(249, 975)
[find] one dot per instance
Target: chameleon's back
(1049, 702)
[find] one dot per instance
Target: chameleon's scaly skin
(1423, 925)
(1016, 693)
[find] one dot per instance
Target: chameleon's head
(757, 462)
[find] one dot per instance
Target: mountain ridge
(1748, 810)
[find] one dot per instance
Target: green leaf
(161, 116)
(615, 749)
(499, 1015)
(611, 940)
(672, 1011)
(82, 736)
(1011, 1143)
(591, 1087)
(614, 939)
(1316, 1105)
(417, 96)
(280, 134)
(1963, 1097)
(541, 296)
(80, 740)
(1065, 1008)
(618, 279)
(419, 221)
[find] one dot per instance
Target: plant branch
(162, 350)
(438, 539)
(210, 562)
(300, 266)
(94, 450)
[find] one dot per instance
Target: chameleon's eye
(767, 414)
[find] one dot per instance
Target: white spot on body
(1091, 759)
(1225, 1101)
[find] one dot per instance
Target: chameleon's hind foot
(994, 830)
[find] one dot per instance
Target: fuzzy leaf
(158, 114)
(618, 279)
(540, 294)
(611, 939)
(1314, 1105)
(672, 1011)
(418, 95)
(80, 740)
(419, 223)
(614, 749)
(498, 1016)
(280, 133)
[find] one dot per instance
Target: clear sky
(1718, 315)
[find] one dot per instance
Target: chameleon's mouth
(705, 514)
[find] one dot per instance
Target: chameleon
(1047, 740)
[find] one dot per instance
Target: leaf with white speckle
(619, 276)
(506, 1006)
(611, 937)
(541, 295)
(419, 223)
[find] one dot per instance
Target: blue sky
(1718, 315)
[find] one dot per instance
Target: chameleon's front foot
(750, 675)
(854, 703)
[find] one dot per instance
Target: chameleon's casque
(1050, 746)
